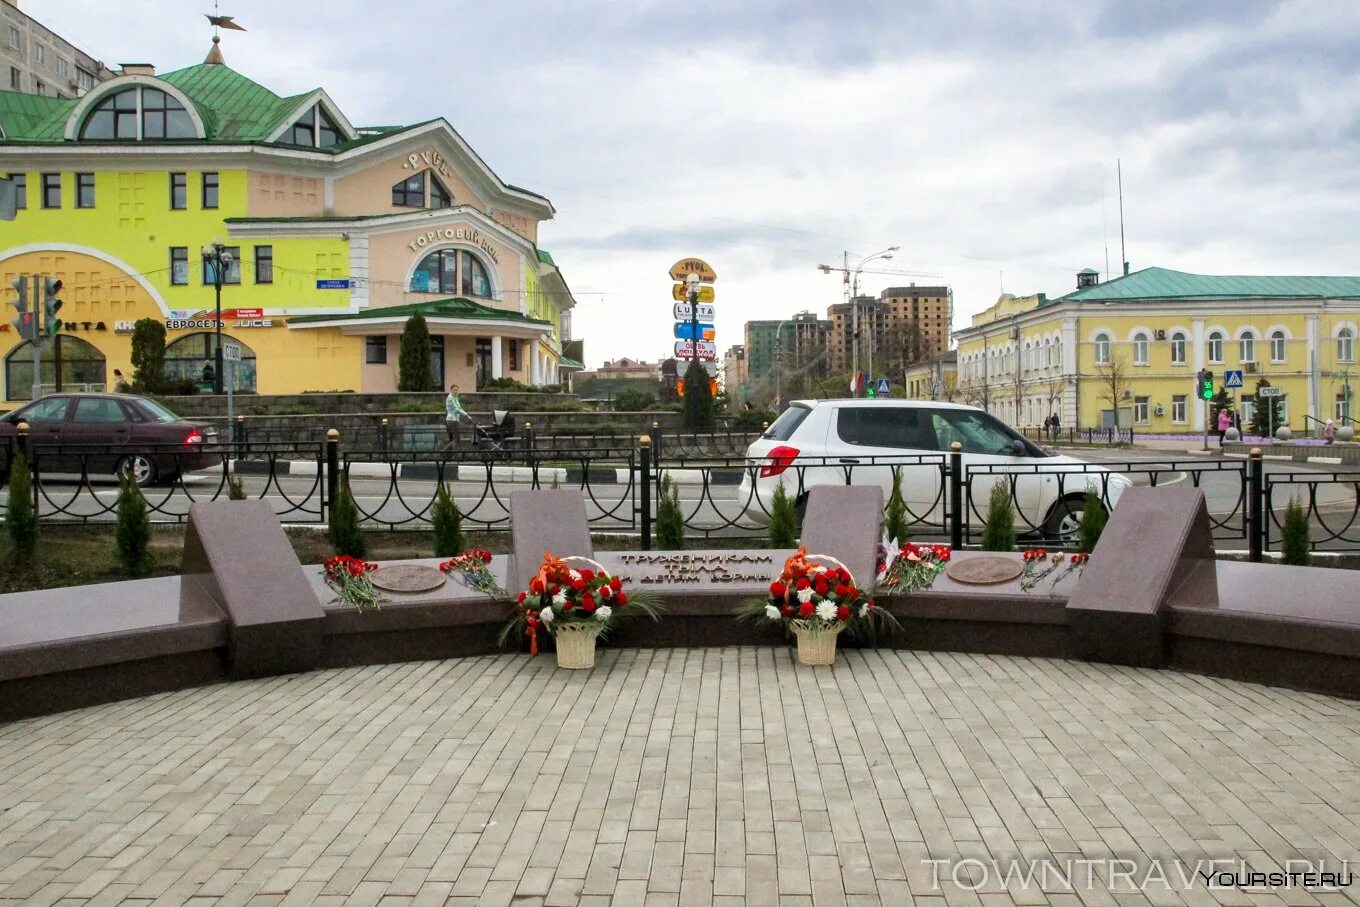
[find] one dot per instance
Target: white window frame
(1246, 346)
(1145, 405)
(1181, 401)
(63, 67)
(16, 38)
(1247, 411)
(1215, 337)
(1140, 348)
(1103, 342)
(40, 52)
(1341, 404)
(1345, 345)
(1280, 338)
(1179, 342)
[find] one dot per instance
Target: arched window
(314, 129)
(1140, 349)
(1246, 346)
(1216, 346)
(1277, 346)
(1345, 345)
(1178, 341)
(1027, 362)
(82, 368)
(187, 357)
(138, 113)
(1102, 349)
(456, 271)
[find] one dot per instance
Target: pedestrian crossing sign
(1233, 378)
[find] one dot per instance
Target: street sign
(684, 330)
(682, 312)
(883, 386)
(1270, 392)
(687, 266)
(710, 366)
(681, 291)
(231, 352)
(707, 349)
(340, 284)
(1232, 378)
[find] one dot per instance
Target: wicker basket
(576, 644)
(816, 644)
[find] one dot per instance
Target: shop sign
(428, 158)
(454, 234)
(83, 326)
(686, 266)
(211, 324)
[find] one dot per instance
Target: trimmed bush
(699, 413)
(21, 520)
(148, 356)
(998, 532)
(1295, 546)
(344, 533)
(632, 400)
(670, 520)
(132, 536)
(447, 523)
(783, 519)
(1093, 520)
(413, 358)
(895, 520)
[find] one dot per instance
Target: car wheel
(140, 468)
(1064, 520)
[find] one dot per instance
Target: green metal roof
(23, 115)
(564, 362)
(544, 257)
(241, 110)
(1161, 283)
(454, 307)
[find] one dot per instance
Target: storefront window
(186, 356)
(475, 282)
(452, 271)
(82, 368)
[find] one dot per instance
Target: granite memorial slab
(406, 578)
(238, 550)
(985, 570)
(846, 522)
(545, 520)
(1117, 611)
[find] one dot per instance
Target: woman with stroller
(453, 413)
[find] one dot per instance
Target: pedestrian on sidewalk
(1329, 432)
(1224, 423)
(453, 414)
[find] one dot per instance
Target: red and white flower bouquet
(350, 578)
(575, 600)
(816, 602)
(475, 569)
(915, 567)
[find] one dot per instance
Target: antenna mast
(1123, 254)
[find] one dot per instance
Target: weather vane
(219, 22)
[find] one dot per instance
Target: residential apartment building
(337, 235)
(1128, 351)
(760, 349)
(899, 327)
(734, 373)
(37, 60)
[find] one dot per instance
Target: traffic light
(51, 305)
(1206, 384)
(679, 387)
(869, 392)
(24, 322)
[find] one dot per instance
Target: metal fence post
(956, 495)
(238, 435)
(382, 436)
(1256, 515)
(644, 490)
(22, 431)
(332, 470)
(656, 439)
(527, 442)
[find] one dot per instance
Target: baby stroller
(497, 436)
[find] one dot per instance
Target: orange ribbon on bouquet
(551, 566)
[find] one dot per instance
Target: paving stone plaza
(704, 776)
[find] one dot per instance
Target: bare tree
(1113, 381)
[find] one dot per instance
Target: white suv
(820, 442)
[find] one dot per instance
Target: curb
(1331, 461)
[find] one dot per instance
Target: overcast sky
(768, 138)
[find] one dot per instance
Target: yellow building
(1128, 351)
(936, 378)
(338, 234)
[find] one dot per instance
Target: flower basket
(576, 607)
(816, 602)
(576, 645)
(816, 644)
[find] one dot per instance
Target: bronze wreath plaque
(408, 578)
(984, 571)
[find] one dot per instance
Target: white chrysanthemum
(864, 610)
(805, 595)
(574, 574)
(826, 611)
(604, 612)
(546, 615)
(772, 612)
(559, 599)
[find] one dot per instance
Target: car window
(783, 428)
(98, 410)
(886, 426)
(47, 410)
(158, 412)
(978, 432)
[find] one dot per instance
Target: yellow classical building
(1127, 352)
(337, 234)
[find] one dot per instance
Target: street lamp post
(852, 279)
(216, 254)
(779, 367)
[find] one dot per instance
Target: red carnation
(554, 589)
(521, 598)
(587, 575)
(842, 613)
(567, 605)
(486, 557)
(621, 599)
(871, 604)
(536, 586)
(588, 605)
(821, 587)
(615, 583)
(778, 589)
(802, 583)
(587, 599)
(787, 610)
(805, 609)
(842, 590)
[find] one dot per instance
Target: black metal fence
(1092, 437)
(721, 496)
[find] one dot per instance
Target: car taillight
(781, 458)
(194, 437)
